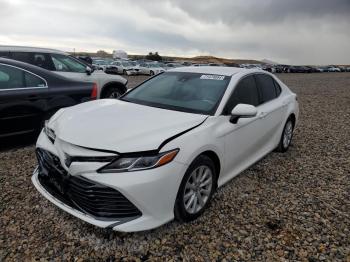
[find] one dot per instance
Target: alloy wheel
(114, 94)
(287, 134)
(197, 189)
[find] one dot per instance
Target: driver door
(241, 140)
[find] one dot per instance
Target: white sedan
(124, 67)
(161, 150)
(150, 69)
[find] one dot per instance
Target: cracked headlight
(134, 163)
(49, 132)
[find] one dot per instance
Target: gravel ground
(293, 206)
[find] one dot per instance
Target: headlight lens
(125, 164)
(49, 132)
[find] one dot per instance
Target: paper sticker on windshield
(212, 77)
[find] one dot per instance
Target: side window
(11, 77)
(33, 81)
(277, 87)
(245, 92)
(266, 86)
(22, 56)
(64, 63)
(38, 59)
(4, 54)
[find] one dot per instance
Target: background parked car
(124, 67)
(29, 95)
(175, 65)
(68, 66)
(150, 69)
(299, 69)
(86, 59)
(99, 64)
(333, 69)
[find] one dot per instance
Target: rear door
(270, 111)
(22, 100)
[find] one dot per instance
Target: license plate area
(50, 168)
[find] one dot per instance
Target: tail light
(94, 92)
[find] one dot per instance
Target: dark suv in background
(109, 86)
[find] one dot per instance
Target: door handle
(262, 114)
(33, 97)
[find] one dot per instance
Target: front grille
(89, 197)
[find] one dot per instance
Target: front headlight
(125, 164)
(49, 132)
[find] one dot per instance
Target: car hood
(120, 126)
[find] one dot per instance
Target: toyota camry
(162, 149)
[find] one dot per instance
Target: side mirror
(88, 70)
(242, 111)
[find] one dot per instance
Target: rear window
(42, 60)
(266, 86)
(12, 77)
(278, 88)
(4, 54)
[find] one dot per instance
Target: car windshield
(125, 64)
(181, 91)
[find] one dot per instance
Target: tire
(202, 167)
(112, 92)
(124, 72)
(286, 137)
(151, 73)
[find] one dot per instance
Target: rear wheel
(151, 73)
(196, 189)
(286, 137)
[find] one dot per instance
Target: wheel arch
(216, 160)
(293, 118)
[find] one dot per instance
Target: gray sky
(286, 31)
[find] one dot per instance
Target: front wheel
(196, 189)
(286, 137)
(151, 73)
(112, 92)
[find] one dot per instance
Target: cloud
(298, 32)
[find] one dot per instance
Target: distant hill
(213, 59)
(196, 59)
(266, 61)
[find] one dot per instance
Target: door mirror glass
(242, 111)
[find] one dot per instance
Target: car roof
(11, 48)
(217, 70)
